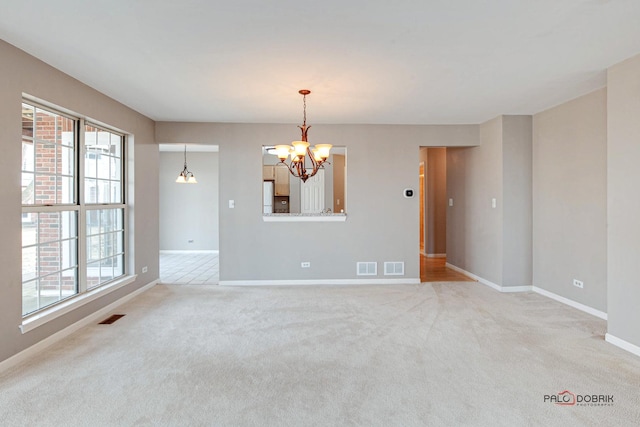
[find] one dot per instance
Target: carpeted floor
(430, 354)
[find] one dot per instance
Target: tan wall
(570, 199)
(623, 179)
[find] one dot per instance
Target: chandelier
(305, 160)
(186, 177)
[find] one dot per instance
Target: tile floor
(189, 268)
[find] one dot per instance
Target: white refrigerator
(267, 197)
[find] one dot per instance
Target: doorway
(189, 215)
(432, 173)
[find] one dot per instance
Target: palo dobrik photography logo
(567, 398)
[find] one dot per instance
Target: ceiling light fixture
(185, 176)
(300, 151)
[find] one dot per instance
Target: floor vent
(367, 268)
(109, 320)
(394, 268)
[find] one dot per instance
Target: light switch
(450, 202)
(494, 203)
(232, 204)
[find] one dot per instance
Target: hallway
(435, 270)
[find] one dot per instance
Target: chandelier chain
(304, 110)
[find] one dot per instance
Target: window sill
(48, 314)
(283, 217)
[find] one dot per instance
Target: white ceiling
(373, 61)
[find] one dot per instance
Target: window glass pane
(116, 192)
(49, 256)
(46, 157)
(69, 282)
(49, 228)
(119, 219)
(91, 163)
(27, 156)
(67, 157)
(93, 274)
(68, 224)
(46, 126)
(50, 288)
(118, 266)
(29, 263)
(116, 172)
(66, 131)
(103, 166)
(30, 297)
(27, 120)
(68, 254)
(93, 248)
(90, 191)
(29, 229)
(104, 191)
(45, 189)
(116, 145)
(28, 191)
(66, 190)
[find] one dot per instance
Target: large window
(70, 244)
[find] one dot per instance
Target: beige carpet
(431, 354)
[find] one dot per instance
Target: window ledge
(48, 314)
(298, 217)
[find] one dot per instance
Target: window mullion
(82, 214)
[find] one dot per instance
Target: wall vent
(394, 268)
(109, 320)
(367, 268)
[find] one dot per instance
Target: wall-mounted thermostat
(408, 193)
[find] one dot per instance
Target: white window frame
(84, 295)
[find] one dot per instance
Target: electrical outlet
(578, 283)
(145, 269)
(305, 264)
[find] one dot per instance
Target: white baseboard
(406, 281)
(52, 339)
(489, 283)
(625, 345)
(167, 251)
(436, 255)
(571, 303)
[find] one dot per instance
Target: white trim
(625, 345)
(319, 282)
(570, 303)
(163, 251)
(436, 255)
(505, 289)
(304, 218)
(60, 335)
(31, 322)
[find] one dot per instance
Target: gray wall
(623, 180)
(381, 225)
(23, 73)
(517, 200)
(477, 233)
(189, 212)
(570, 199)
